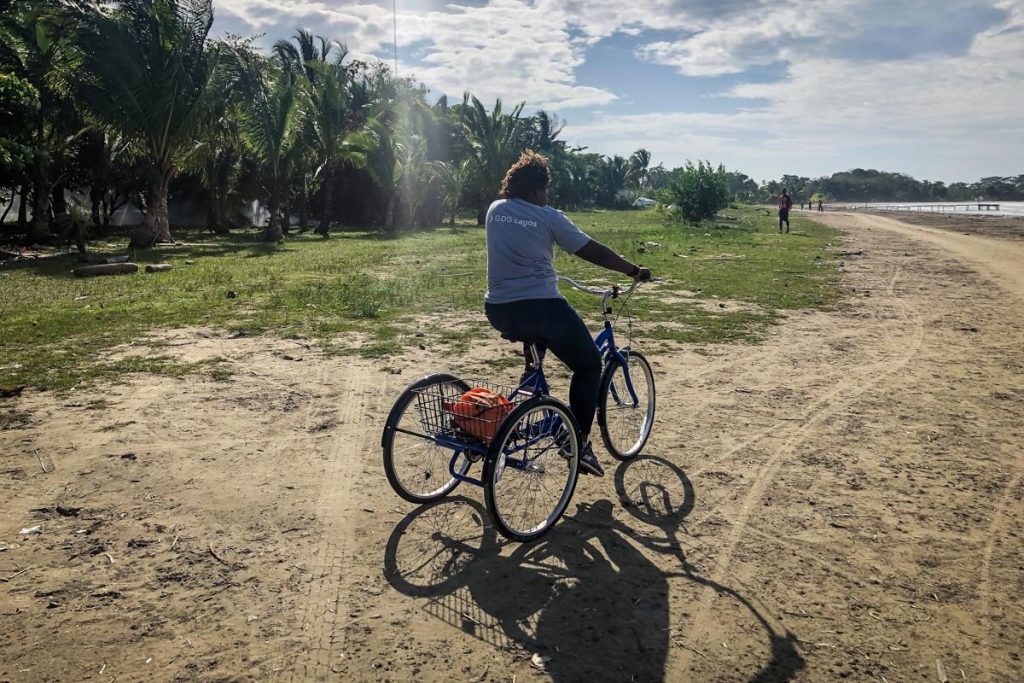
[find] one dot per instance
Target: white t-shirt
(521, 239)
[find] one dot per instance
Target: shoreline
(1004, 227)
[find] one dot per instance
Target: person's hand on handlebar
(600, 255)
(640, 274)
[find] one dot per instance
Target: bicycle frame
(536, 384)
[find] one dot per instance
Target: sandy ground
(843, 501)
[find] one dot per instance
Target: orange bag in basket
(479, 411)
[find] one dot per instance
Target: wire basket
(448, 410)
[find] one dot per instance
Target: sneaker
(589, 462)
(563, 443)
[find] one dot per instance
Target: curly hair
(526, 176)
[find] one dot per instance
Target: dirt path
(844, 501)
(1001, 260)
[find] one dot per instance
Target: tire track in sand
(996, 530)
(837, 399)
(325, 601)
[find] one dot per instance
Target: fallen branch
(224, 562)
(106, 269)
(688, 647)
(12, 576)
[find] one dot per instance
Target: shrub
(700, 191)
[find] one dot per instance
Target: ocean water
(1005, 208)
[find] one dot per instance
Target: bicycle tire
(498, 474)
(438, 456)
(626, 451)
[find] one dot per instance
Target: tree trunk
(325, 210)
(273, 232)
(60, 200)
(304, 210)
(451, 219)
(23, 207)
(95, 200)
(40, 229)
(155, 227)
(14, 195)
(213, 221)
(286, 210)
(389, 214)
(216, 213)
(481, 214)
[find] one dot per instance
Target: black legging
(553, 324)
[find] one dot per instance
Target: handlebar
(614, 292)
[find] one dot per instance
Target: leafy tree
(700, 191)
(19, 102)
(658, 177)
(145, 70)
(742, 186)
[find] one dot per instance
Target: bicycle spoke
(530, 498)
(625, 424)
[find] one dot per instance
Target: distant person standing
(785, 203)
(820, 207)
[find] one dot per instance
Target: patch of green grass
(11, 418)
(362, 293)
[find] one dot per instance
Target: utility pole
(394, 16)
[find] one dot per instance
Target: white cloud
(506, 48)
(842, 94)
(949, 117)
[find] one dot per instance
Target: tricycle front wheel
(626, 424)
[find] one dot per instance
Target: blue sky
(933, 88)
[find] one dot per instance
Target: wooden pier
(940, 208)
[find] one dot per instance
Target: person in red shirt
(785, 202)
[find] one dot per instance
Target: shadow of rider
(584, 596)
(610, 620)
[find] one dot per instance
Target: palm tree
(494, 145)
(612, 175)
(36, 47)
(215, 161)
(639, 162)
(414, 170)
(145, 69)
(384, 166)
(326, 100)
(547, 129)
(268, 121)
(302, 55)
(452, 178)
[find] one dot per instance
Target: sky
(932, 88)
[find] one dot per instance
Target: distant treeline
(869, 185)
